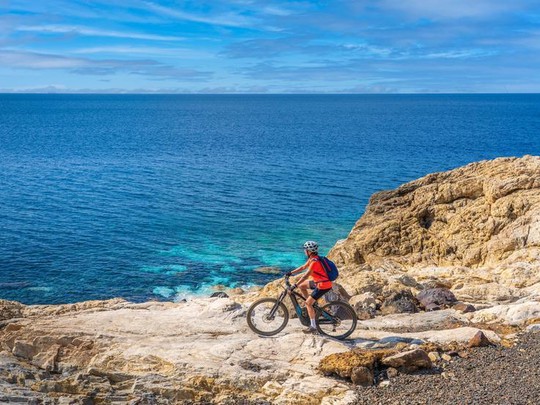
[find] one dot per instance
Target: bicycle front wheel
(336, 319)
(267, 316)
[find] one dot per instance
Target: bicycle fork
(276, 305)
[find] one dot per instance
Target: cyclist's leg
(315, 295)
(303, 287)
(311, 311)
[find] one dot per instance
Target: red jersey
(318, 273)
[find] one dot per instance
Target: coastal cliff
(466, 242)
(474, 230)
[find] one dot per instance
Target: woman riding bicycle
(319, 282)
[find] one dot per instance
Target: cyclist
(318, 281)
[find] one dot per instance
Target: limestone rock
(358, 281)
(10, 310)
(269, 270)
(201, 351)
(409, 281)
(411, 359)
(436, 283)
(512, 314)
(338, 293)
(491, 292)
(416, 322)
(364, 304)
(343, 364)
(464, 308)
(534, 327)
(474, 229)
(236, 291)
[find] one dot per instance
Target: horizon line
(259, 94)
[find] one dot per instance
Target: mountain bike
(269, 316)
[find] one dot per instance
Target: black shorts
(316, 294)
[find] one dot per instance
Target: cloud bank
(263, 46)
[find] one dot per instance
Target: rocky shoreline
(432, 267)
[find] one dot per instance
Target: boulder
(464, 308)
(479, 340)
(435, 283)
(10, 310)
(409, 281)
(269, 270)
(392, 372)
(534, 327)
(343, 364)
(436, 298)
(361, 281)
(338, 293)
(219, 294)
(365, 305)
(398, 302)
(362, 376)
(236, 291)
(409, 360)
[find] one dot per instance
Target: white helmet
(311, 246)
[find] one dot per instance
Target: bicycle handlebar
(287, 283)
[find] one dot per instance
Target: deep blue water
(159, 196)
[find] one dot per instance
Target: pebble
(434, 356)
(446, 357)
(533, 328)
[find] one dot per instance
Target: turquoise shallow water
(159, 197)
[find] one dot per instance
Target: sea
(167, 197)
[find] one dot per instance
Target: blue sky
(257, 46)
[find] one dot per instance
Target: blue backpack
(330, 268)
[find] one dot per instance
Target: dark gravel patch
(490, 375)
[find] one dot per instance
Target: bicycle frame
(294, 296)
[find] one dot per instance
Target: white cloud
(184, 53)
(460, 54)
(437, 9)
(85, 31)
(99, 67)
(229, 19)
(31, 60)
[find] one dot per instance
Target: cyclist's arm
(305, 276)
(300, 269)
(309, 265)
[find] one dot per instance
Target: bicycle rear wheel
(336, 319)
(267, 316)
